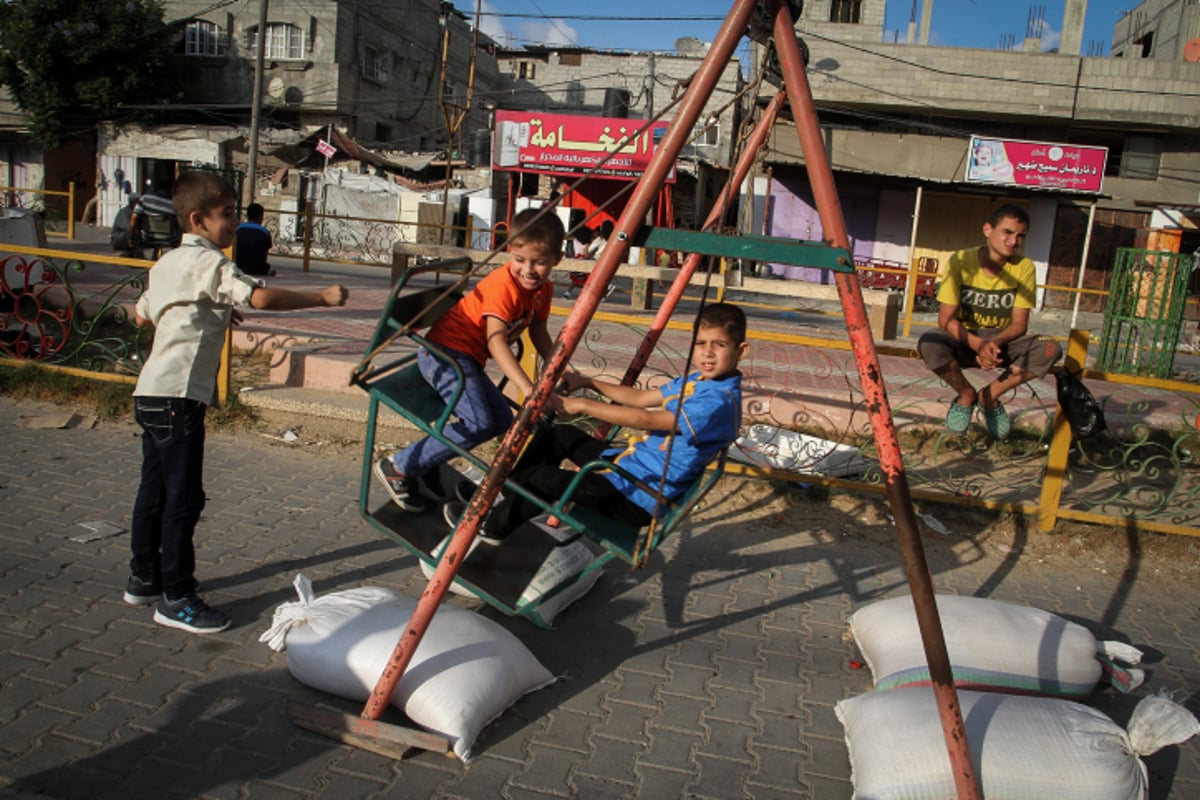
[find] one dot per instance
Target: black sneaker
(190, 614)
(464, 490)
(430, 485)
(452, 512)
(142, 593)
(402, 489)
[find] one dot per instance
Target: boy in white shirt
(190, 301)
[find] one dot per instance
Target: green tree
(70, 63)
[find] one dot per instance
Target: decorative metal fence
(1144, 314)
(71, 313)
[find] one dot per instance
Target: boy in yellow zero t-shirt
(983, 319)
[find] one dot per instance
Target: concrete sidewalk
(316, 350)
(312, 353)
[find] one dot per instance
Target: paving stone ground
(713, 673)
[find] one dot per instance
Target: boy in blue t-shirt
(708, 422)
(253, 243)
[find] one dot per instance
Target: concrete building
(1160, 30)
(368, 76)
(898, 117)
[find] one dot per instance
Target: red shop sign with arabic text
(568, 145)
(1043, 165)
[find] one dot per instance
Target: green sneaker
(958, 418)
(997, 421)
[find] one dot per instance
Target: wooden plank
(385, 739)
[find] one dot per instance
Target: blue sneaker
(190, 614)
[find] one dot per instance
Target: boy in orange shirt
(483, 324)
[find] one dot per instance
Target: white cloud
(550, 31)
(1050, 37)
(494, 26)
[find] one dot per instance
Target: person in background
(600, 238)
(579, 249)
(121, 236)
(253, 243)
(602, 234)
(154, 223)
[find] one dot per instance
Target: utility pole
(453, 112)
(256, 98)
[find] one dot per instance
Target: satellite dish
(275, 88)
(690, 45)
(1191, 51)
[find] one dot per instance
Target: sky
(624, 24)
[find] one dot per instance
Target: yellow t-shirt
(985, 300)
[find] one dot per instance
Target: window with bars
(374, 64)
(705, 135)
(203, 38)
(1140, 157)
(845, 11)
(284, 42)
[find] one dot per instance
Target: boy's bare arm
(539, 335)
(646, 419)
(501, 352)
(265, 298)
(625, 395)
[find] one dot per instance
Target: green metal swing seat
(498, 574)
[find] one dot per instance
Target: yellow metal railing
(9, 199)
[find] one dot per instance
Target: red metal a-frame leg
(920, 582)
(850, 292)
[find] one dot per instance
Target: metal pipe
(256, 98)
(572, 331)
(883, 427)
(1087, 246)
(914, 272)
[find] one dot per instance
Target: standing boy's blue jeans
(482, 412)
(171, 495)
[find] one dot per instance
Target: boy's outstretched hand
(572, 381)
(334, 295)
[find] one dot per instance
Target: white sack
(993, 646)
(465, 672)
(1022, 748)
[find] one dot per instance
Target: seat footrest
(498, 574)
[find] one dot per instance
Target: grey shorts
(1030, 352)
